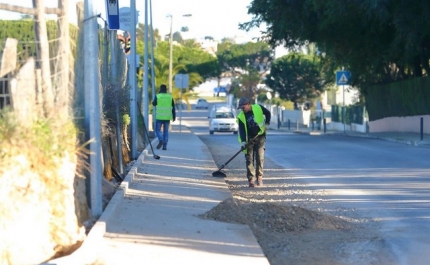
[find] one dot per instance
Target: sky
(215, 18)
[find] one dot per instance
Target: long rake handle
(225, 164)
(233, 157)
(145, 129)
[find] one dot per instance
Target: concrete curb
(91, 249)
(391, 139)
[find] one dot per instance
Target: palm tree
(161, 69)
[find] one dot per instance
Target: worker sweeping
(253, 121)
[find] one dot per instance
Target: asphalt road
(384, 181)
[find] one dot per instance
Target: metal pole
(152, 64)
(325, 125)
(91, 84)
(105, 66)
(422, 128)
(145, 72)
(343, 108)
(114, 81)
(171, 55)
(133, 81)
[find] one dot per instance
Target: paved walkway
(153, 217)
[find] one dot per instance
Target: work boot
(260, 182)
(251, 184)
(164, 148)
(160, 143)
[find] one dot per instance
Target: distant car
(202, 104)
(222, 118)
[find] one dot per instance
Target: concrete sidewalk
(157, 221)
(153, 218)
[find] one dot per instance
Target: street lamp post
(171, 55)
(171, 50)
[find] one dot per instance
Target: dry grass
(42, 140)
(38, 164)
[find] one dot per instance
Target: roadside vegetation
(382, 43)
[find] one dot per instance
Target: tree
(234, 58)
(141, 30)
(249, 84)
(247, 63)
(177, 36)
(191, 43)
(379, 41)
(195, 60)
(296, 77)
(185, 60)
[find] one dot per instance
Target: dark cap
(163, 88)
(243, 101)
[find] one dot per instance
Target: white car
(202, 104)
(223, 119)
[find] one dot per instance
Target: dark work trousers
(255, 152)
(162, 136)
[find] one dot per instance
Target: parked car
(202, 104)
(222, 118)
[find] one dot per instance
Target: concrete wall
(338, 126)
(392, 124)
(400, 124)
(303, 117)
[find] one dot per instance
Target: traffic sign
(113, 14)
(343, 77)
(125, 18)
(181, 80)
(220, 89)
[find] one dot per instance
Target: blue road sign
(113, 14)
(221, 89)
(181, 80)
(343, 77)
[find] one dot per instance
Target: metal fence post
(324, 125)
(422, 128)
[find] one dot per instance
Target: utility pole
(133, 82)
(171, 55)
(152, 65)
(92, 105)
(171, 50)
(145, 100)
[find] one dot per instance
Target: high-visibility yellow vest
(164, 107)
(259, 119)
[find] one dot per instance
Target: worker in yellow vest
(165, 112)
(253, 121)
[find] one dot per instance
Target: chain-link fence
(43, 76)
(52, 52)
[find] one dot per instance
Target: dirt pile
(293, 223)
(274, 217)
